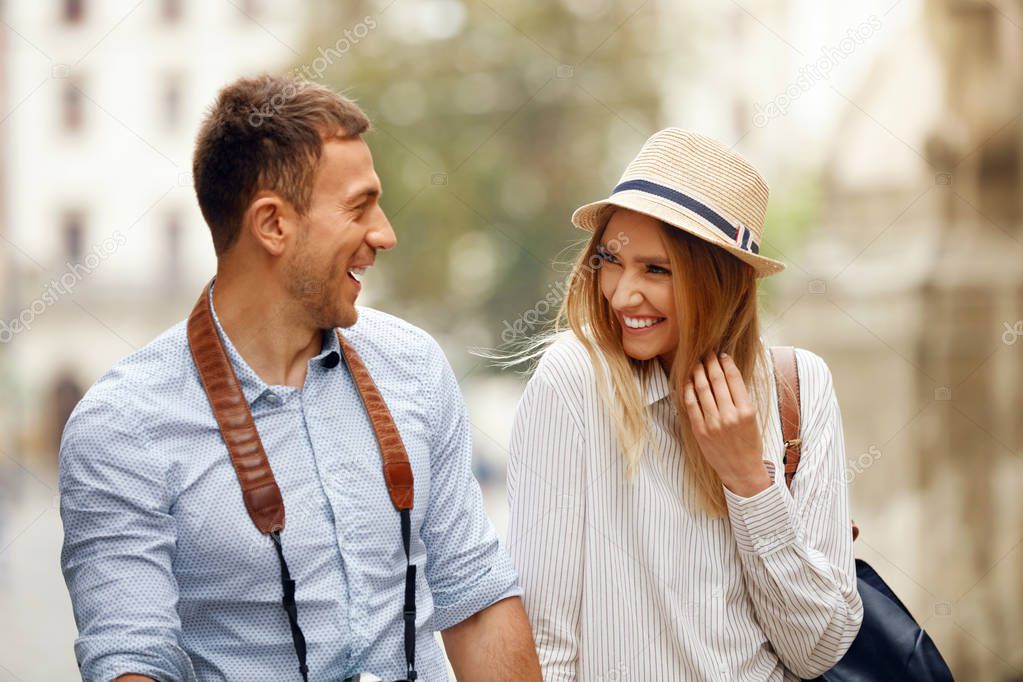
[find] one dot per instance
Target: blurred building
(5, 438)
(103, 100)
(905, 117)
(915, 297)
(769, 76)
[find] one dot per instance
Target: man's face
(339, 235)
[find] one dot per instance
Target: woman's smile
(640, 326)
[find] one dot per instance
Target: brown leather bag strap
(397, 469)
(786, 380)
(784, 358)
(259, 487)
(260, 492)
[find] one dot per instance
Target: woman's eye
(605, 255)
(658, 270)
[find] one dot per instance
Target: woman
(650, 521)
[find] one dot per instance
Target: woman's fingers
(692, 404)
(737, 387)
(705, 395)
(716, 394)
(719, 385)
(723, 420)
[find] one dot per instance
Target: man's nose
(381, 235)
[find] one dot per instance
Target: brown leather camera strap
(397, 470)
(259, 487)
(785, 369)
(260, 492)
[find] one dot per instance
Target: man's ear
(269, 221)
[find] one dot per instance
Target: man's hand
(494, 644)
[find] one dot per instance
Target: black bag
(890, 646)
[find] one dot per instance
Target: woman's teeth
(642, 322)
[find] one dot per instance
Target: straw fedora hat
(696, 184)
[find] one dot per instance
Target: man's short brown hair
(265, 133)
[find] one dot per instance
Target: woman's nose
(627, 295)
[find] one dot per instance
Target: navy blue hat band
(741, 235)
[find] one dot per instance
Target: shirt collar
(657, 385)
(252, 385)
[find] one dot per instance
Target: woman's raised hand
(724, 422)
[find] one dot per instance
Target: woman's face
(636, 281)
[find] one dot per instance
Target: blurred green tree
(493, 120)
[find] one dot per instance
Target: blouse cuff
(763, 523)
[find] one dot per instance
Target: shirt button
(716, 592)
(273, 399)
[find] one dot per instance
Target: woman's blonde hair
(715, 297)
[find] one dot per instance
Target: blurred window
(172, 102)
(74, 11)
(170, 10)
(249, 8)
(73, 231)
(72, 104)
(65, 392)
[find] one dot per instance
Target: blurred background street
(891, 133)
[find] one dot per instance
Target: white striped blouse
(622, 582)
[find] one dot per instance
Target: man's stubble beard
(319, 294)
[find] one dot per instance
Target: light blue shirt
(168, 575)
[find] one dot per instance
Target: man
(169, 577)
